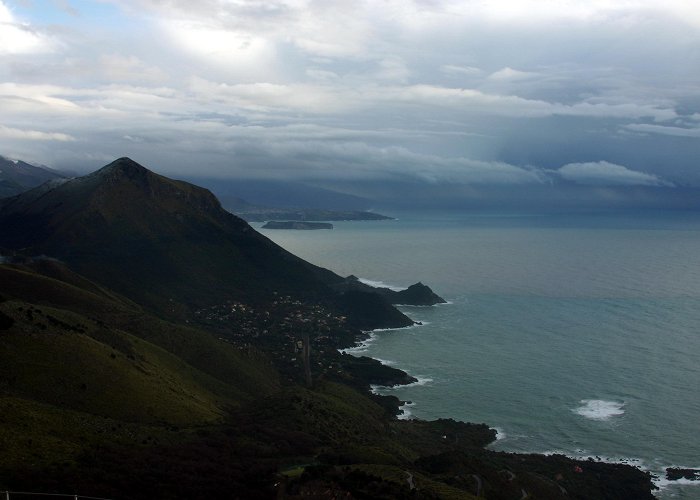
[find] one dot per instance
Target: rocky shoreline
(624, 480)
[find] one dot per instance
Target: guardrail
(8, 495)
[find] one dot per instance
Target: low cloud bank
(603, 173)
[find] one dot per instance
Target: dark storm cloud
(528, 93)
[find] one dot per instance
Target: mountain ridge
(167, 243)
(17, 176)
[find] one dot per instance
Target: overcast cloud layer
(505, 92)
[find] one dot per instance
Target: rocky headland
(417, 294)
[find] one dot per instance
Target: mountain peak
(126, 161)
(123, 167)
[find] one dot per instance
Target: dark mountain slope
(165, 243)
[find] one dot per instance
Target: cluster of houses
(278, 328)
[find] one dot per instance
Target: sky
(474, 98)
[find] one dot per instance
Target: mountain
(18, 176)
(165, 243)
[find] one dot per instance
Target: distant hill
(261, 201)
(17, 176)
(167, 244)
(237, 193)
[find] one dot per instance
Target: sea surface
(572, 334)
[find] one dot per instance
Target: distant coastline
(306, 214)
(297, 225)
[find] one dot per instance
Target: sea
(576, 334)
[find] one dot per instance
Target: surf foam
(386, 362)
(420, 381)
(361, 347)
(381, 284)
(406, 413)
(599, 409)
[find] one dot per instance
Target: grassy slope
(238, 372)
(68, 376)
(99, 370)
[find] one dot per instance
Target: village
(277, 330)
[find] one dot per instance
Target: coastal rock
(417, 294)
(676, 473)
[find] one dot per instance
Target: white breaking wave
(500, 434)
(361, 347)
(663, 483)
(386, 362)
(381, 284)
(420, 381)
(415, 325)
(599, 409)
(406, 413)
